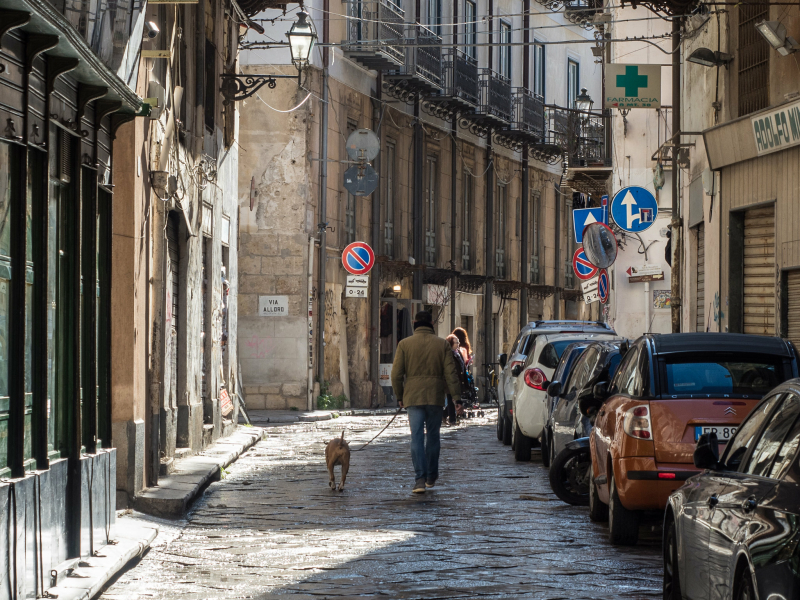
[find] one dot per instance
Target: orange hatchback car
(668, 390)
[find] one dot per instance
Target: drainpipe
(524, 252)
(488, 345)
(677, 229)
(323, 205)
(453, 211)
(418, 216)
(375, 280)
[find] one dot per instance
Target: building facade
(68, 84)
(480, 155)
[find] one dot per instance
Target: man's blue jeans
(424, 420)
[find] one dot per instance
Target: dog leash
(399, 410)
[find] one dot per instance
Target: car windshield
(743, 375)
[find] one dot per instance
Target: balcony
(528, 120)
(582, 12)
(421, 72)
(495, 110)
(551, 147)
(460, 92)
(376, 34)
(589, 151)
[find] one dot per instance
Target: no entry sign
(358, 258)
(581, 265)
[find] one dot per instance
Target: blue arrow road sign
(634, 209)
(581, 217)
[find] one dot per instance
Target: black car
(598, 362)
(565, 364)
(733, 531)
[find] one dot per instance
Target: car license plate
(724, 432)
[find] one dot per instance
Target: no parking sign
(581, 265)
(603, 287)
(358, 258)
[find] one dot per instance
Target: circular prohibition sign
(358, 258)
(603, 288)
(581, 265)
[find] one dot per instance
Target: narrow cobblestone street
(491, 528)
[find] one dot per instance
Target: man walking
(424, 370)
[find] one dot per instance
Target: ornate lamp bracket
(240, 86)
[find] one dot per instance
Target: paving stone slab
(174, 493)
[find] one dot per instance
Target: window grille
(388, 223)
(500, 232)
(466, 235)
(753, 60)
(430, 216)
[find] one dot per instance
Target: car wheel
(743, 588)
(598, 510)
(500, 419)
(623, 524)
(570, 474)
(546, 450)
(506, 431)
(672, 583)
(522, 444)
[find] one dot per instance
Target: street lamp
(584, 101)
(239, 86)
(775, 34)
(709, 58)
(301, 41)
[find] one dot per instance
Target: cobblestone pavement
(491, 528)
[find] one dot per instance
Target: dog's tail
(342, 434)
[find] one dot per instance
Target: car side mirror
(600, 390)
(706, 453)
(516, 370)
(503, 359)
(554, 389)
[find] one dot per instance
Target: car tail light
(637, 423)
(666, 475)
(535, 378)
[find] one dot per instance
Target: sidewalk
(262, 418)
(85, 578)
(175, 492)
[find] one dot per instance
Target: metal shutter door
(173, 250)
(793, 307)
(700, 279)
(759, 271)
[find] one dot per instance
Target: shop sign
(632, 86)
(777, 129)
(273, 306)
(225, 403)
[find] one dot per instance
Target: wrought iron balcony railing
(528, 121)
(421, 72)
(582, 12)
(376, 34)
(587, 140)
(496, 96)
(460, 92)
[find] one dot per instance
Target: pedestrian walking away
(424, 370)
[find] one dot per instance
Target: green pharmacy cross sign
(631, 80)
(633, 86)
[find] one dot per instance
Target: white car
(530, 397)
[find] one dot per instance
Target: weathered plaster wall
(274, 239)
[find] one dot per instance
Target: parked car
(530, 400)
(564, 421)
(733, 531)
(517, 356)
(565, 364)
(669, 390)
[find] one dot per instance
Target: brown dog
(337, 452)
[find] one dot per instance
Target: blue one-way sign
(581, 217)
(634, 209)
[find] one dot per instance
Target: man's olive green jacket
(424, 369)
